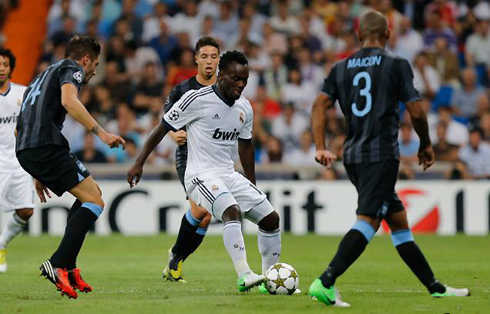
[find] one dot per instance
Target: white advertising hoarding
(444, 207)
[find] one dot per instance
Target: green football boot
(328, 296)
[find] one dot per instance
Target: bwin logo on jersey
(226, 136)
(78, 76)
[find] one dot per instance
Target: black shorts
(54, 166)
(375, 184)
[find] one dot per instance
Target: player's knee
(24, 213)
(232, 213)
(270, 222)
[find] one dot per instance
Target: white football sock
(269, 247)
(235, 245)
(14, 228)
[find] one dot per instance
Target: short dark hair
(476, 129)
(232, 56)
(206, 41)
(7, 53)
(79, 46)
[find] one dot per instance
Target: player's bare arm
(136, 170)
(419, 121)
(247, 158)
(69, 100)
(318, 123)
(179, 137)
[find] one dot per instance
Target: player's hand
(325, 158)
(42, 191)
(134, 174)
(179, 137)
(426, 156)
(112, 140)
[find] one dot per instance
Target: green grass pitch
(126, 275)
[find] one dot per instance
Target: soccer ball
(281, 279)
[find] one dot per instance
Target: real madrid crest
(242, 117)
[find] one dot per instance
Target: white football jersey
(213, 129)
(10, 104)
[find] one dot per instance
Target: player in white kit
(16, 186)
(216, 118)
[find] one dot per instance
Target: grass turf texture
(126, 275)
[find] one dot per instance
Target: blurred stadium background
(291, 47)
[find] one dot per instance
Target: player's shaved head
(373, 25)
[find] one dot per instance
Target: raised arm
(419, 121)
(247, 158)
(318, 125)
(75, 108)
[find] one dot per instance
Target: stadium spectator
(426, 77)
(408, 143)
(445, 62)
(458, 171)
(273, 42)
(241, 38)
(299, 92)
(457, 133)
(478, 46)
(103, 105)
(207, 29)
(274, 152)
(187, 21)
(275, 76)
(135, 59)
(89, 153)
(63, 35)
(284, 22)
(444, 150)
(464, 99)
(476, 155)
(149, 90)
(407, 43)
(485, 126)
(208, 8)
(62, 9)
(264, 106)
(164, 43)
(304, 155)
(483, 105)
(135, 23)
(257, 20)
(185, 69)
(437, 28)
(446, 9)
(310, 71)
(289, 126)
(227, 22)
(151, 25)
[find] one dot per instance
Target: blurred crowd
(291, 47)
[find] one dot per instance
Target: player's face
(233, 80)
(89, 67)
(207, 60)
(4, 69)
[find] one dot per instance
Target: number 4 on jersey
(363, 92)
(34, 91)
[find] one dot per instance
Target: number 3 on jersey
(366, 92)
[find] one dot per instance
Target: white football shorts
(16, 191)
(217, 192)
